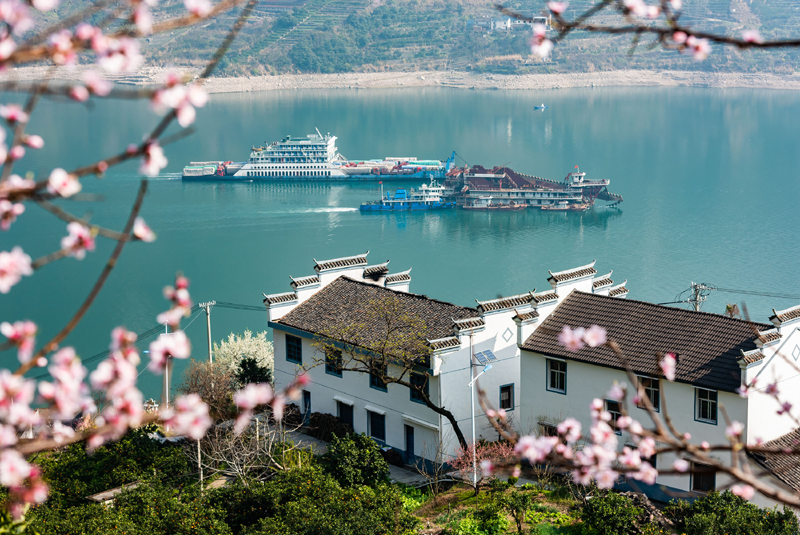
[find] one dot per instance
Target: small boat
(486, 202)
(564, 206)
(542, 107)
(428, 197)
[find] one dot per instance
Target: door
(409, 444)
(306, 407)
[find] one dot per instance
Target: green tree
(251, 372)
(727, 514)
(611, 513)
(355, 460)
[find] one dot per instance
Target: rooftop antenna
(317, 129)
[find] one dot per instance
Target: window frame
(331, 368)
(375, 382)
(616, 414)
(548, 375)
(547, 429)
(291, 340)
(339, 405)
(657, 403)
(370, 415)
(413, 395)
(712, 473)
(510, 386)
(698, 402)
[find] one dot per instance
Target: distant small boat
(542, 107)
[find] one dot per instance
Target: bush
(611, 513)
(726, 513)
(326, 426)
(355, 460)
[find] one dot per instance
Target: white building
(716, 354)
(340, 291)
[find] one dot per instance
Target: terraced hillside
(376, 35)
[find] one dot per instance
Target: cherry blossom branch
(112, 262)
(19, 129)
(67, 22)
(69, 218)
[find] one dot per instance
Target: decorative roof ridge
(319, 264)
(769, 335)
(545, 294)
(792, 313)
(574, 273)
(444, 343)
(301, 282)
(751, 356)
(283, 297)
(464, 320)
(603, 281)
(681, 310)
(499, 299)
(381, 265)
(398, 277)
(619, 289)
(525, 316)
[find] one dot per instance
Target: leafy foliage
(355, 460)
(250, 371)
(611, 513)
(327, 426)
(237, 347)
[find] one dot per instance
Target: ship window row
(294, 167)
(288, 173)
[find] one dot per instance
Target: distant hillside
(375, 35)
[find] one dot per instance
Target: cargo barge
(313, 158)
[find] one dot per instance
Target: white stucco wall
(586, 382)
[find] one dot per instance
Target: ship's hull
(421, 175)
(402, 207)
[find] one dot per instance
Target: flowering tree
(73, 390)
(237, 347)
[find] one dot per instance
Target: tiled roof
(503, 303)
(616, 291)
(280, 298)
(786, 315)
(749, 357)
(544, 297)
(708, 345)
(769, 336)
(572, 274)
(445, 343)
(343, 307)
(398, 277)
(336, 263)
(784, 467)
(525, 316)
(602, 282)
(302, 282)
(377, 270)
(464, 324)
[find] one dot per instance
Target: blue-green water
(709, 179)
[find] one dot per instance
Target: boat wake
(329, 209)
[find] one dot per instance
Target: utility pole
(207, 306)
(699, 294)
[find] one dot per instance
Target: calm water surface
(709, 179)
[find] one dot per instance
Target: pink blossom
(687, 436)
(734, 430)
(296, 387)
(596, 405)
(154, 160)
(676, 4)
(785, 408)
(772, 389)
(68, 393)
(594, 336)
(630, 458)
(7, 47)
(13, 265)
(122, 338)
(16, 152)
(680, 465)
(142, 231)
(174, 345)
(487, 468)
(85, 31)
(33, 141)
(637, 7)
(97, 84)
(125, 411)
(700, 48)
(172, 317)
(17, 15)
(652, 12)
(745, 492)
(667, 365)
(617, 392)
(143, 19)
(571, 339)
(752, 36)
(23, 335)
(61, 49)
(634, 428)
(647, 447)
(623, 422)
(705, 445)
(200, 8)
(14, 469)
(277, 405)
(557, 7)
(117, 55)
(16, 395)
(62, 183)
(535, 449)
(679, 37)
(606, 478)
(79, 93)
(15, 185)
(182, 99)
(45, 5)
(570, 429)
(646, 473)
(253, 395)
(61, 432)
(541, 48)
(743, 391)
(13, 113)
(603, 435)
(189, 416)
(9, 212)
(79, 240)
(8, 436)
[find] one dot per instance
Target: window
(294, 349)
(376, 381)
(557, 376)
(652, 389)
(548, 429)
(704, 477)
(706, 406)
(345, 413)
(420, 381)
(614, 409)
(507, 397)
(377, 426)
(333, 362)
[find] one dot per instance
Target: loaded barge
(314, 157)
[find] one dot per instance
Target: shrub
(611, 513)
(490, 517)
(355, 460)
(326, 426)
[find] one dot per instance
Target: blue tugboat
(426, 198)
